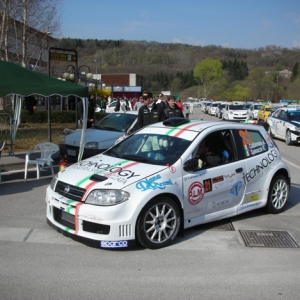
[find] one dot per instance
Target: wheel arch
(283, 172)
(178, 203)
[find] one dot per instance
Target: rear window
(251, 143)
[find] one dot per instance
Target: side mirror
(190, 165)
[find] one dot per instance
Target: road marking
(290, 163)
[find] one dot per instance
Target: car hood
(107, 172)
(295, 123)
(92, 135)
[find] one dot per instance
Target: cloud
(295, 18)
(266, 23)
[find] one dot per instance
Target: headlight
(107, 197)
(91, 145)
(53, 182)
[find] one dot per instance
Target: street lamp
(96, 83)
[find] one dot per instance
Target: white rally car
(152, 184)
(284, 124)
(235, 112)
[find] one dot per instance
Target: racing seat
(45, 151)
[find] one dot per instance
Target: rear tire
(278, 194)
(158, 223)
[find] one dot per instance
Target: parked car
(100, 137)
(204, 106)
(253, 110)
(111, 107)
(264, 112)
(284, 124)
(212, 108)
(152, 184)
(234, 112)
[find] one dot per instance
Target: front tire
(278, 194)
(288, 138)
(158, 223)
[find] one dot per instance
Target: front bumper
(71, 152)
(97, 226)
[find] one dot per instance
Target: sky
(235, 24)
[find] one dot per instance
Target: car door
(282, 123)
(274, 122)
(211, 189)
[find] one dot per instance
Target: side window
(277, 113)
(215, 149)
(282, 115)
(250, 143)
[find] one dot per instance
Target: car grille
(69, 191)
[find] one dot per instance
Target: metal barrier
(6, 124)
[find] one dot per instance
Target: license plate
(71, 152)
(67, 217)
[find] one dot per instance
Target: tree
(24, 26)
(295, 72)
(206, 73)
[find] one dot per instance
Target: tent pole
(49, 120)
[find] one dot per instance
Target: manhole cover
(261, 238)
(217, 225)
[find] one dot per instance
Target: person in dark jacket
(173, 110)
(148, 113)
(162, 105)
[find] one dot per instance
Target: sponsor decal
(217, 179)
(92, 218)
(116, 244)
(251, 198)
(269, 141)
(151, 184)
(250, 205)
(257, 147)
(262, 168)
(172, 169)
(217, 204)
(195, 193)
(207, 185)
(195, 176)
(236, 188)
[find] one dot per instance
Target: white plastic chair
(46, 150)
(2, 144)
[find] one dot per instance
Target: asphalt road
(39, 263)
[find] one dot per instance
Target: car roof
(131, 112)
(182, 124)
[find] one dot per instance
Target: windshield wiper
(135, 157)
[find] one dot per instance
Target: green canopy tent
(18, 81)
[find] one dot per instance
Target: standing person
(91, 111)
(173, 110)
(148, 113)
(102, 105)
(186, 111)
(162, 105)
(179, 104)
(191, 107)
(139, 103)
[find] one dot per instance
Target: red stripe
(76, 217)
(185, 128)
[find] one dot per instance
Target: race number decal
(195, 193)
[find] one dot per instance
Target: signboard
(63, 57)
(132, 88)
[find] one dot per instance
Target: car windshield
(257, 106)
(294, 115)
(116, 122)
(235, 107)
(150, 148)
